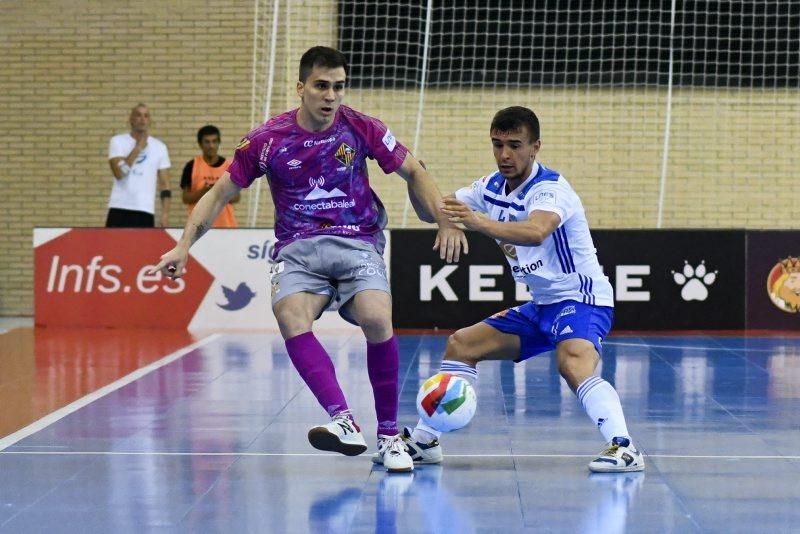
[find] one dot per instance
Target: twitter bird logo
(237, 298)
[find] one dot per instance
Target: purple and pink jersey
(319, 180)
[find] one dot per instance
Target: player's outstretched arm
(200, 220)
(427, 200)
(531, 232)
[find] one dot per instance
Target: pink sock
(316, 369)
(383, 361)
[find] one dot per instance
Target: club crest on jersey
(345, 154)
(509, 250)
(243, 144)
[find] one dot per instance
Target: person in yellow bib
(202, 172)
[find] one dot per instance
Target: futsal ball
(446, 402)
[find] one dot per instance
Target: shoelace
(393, 444)
(343, 418)
(611, 450)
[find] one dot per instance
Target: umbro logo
(294, 164)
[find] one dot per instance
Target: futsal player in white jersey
(539, 221)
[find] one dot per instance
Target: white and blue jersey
(564, 266)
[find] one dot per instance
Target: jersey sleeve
(165, 163)
(116, 148)
(552, 196)
(473, 196)
(382, 144)
(245, 168)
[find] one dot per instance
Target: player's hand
(451, 241)
(173, 263)
(459, 213)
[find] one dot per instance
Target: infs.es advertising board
(99, 277)
(662, 280)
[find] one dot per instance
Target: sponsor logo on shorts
(369, 268)
(294, 164)
(500, 314)
(277, 268)
(567, 310)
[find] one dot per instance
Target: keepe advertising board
(662, 280)
(675, 279)
(429, 293)
(97, 277)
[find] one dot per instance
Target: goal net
(650, 109)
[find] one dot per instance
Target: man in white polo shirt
(138, 161)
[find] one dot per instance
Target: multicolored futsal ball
(446, 402)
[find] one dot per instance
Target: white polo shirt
(137, 190)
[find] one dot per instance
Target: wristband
(166, 193)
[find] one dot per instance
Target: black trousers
(118, 218)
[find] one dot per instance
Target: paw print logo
(695, 281)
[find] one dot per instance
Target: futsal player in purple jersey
(329, 228)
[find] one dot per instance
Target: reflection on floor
(214, 440)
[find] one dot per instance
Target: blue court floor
(214, 440)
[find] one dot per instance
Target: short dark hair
(514, 118)
(208, 129)
(321, 56)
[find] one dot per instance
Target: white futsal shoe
(341, 435)
(392, 454)
(421, 453)
(619, 457)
